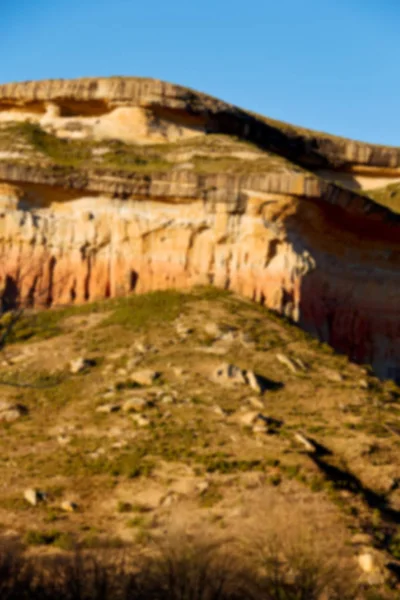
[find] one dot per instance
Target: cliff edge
(122, 185)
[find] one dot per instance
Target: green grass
(56, 538)
(133, 312)
(142, 158)
(60, 151)
(154, 308)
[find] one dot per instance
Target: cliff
(177, 104)
(114, 186)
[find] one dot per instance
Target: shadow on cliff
(344, 254)
(10, 295)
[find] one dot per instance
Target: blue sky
(332, 65)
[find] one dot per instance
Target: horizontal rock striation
(177, 103)
(321, 254)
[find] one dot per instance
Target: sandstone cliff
(113, 186)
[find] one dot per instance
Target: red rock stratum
(121, 185)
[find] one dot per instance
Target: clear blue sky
(332, 65)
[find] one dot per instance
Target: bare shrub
(299, 553)
(16, 575)
(185, 569)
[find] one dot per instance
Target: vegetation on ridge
(213, 153)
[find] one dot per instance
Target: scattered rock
(300, 363)
(367, 562)
(135, 404)
(287, 362)
(363, 384)
(248, 418)
(18, 359)
(183, 330)
(80, 364)
(68, 506)
(97, 453)
(34, 497)
(122, 372)
(260, 423)
(256, 382)
(108, 408)
(260, 427)
(133, 363)
(372, 567)
(145, 377)
(169, 499)
(167, 399)
(140, 420)
(202, 487)
(179, 371)
(228, 375)
(64, 440)
(256, 402)
(228, 337)
(333, 376)
(11, 412)
(119, 445)
(307, 443)
(219, 411)
(143, 348)
(213, 330)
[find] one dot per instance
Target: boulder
(333, 376)
(34, 497)
(140, 420)
(247, 419)
(213, 330)
(145, 376)
(308, 445)
(80, 364)
(287, 362)
(179, 371)
(68, 506)
(143, 348)
(135, 404)
(167, 399)
(108, 408)
(227, 375)
(11, 412)
(183, 330)
(64, 440)
(256, 402)
(220, 412)
(230, 375)
(256, 382)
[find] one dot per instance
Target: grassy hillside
(188, 447)
(28, 142)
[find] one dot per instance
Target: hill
(128, 417)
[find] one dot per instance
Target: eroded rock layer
(320, 254)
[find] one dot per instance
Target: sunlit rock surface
(267, 221)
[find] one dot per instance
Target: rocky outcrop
(168, 103)
(320, 254)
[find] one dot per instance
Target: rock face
(322, 255)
